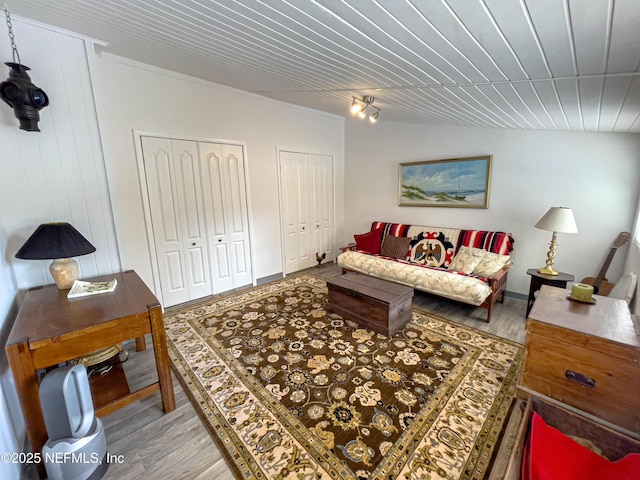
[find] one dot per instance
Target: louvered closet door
(294, 195)
(177, 216)
(321, 201)
(227, 220)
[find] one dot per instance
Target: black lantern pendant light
(19, 92)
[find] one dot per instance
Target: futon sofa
(468, 266)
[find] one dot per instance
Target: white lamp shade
(558, 219)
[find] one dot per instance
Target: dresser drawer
(595, 382)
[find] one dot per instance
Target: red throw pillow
(369, 242)
(554, 456)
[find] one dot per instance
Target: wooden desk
(585, 356)
(51, 329)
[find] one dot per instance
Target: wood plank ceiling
(524, 64)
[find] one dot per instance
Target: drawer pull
(581, 379)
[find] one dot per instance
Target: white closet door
(294, 188)
(189, 189)
(237, 214)
(177, 219)
(167, 230)
(213, 178)
(321, 200)
(228, 224)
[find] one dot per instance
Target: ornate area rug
(291, 391)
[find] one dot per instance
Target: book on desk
(84, 289)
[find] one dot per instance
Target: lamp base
(547, 271)
(64, 271)
(551, 255)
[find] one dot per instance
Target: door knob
(193, 244)
(219, 239)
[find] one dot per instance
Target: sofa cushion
(369, 242)
(466, 260)
(464, 288)
(395, 229)
(490, 264)
(395, 247)
(432, 248)
(497, 242)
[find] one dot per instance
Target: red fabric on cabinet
(369, 242)
(554, 456)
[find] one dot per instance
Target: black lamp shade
(55, 240)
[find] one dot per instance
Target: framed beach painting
(453, 182)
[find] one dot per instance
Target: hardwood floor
(177, 445)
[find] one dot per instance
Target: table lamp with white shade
(59, 242)
(556, 220)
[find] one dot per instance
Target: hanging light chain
(16, 55)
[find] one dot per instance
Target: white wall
(633, 261)
(56, 174)
(11, 422)
(633, 265)
(596, 174)
(133, 96)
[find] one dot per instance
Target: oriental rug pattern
(291, 391)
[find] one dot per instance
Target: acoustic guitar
(600, 284)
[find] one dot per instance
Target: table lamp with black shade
(57, 241)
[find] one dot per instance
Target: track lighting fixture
(355, 106)
(364, 106)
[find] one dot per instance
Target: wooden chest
(378, 305)
(585, 355)
(614, 444)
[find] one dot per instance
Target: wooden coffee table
(375, 304)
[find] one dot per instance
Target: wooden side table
(51, 329)
(539, 279)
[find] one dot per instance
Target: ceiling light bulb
(362, 113)
(355, 107)
(374, 117)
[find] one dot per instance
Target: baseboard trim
(516, 295)
(270, 278)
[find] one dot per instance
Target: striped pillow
(395, 247)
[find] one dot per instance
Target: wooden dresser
(585, 355)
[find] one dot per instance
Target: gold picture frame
(452, 182)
